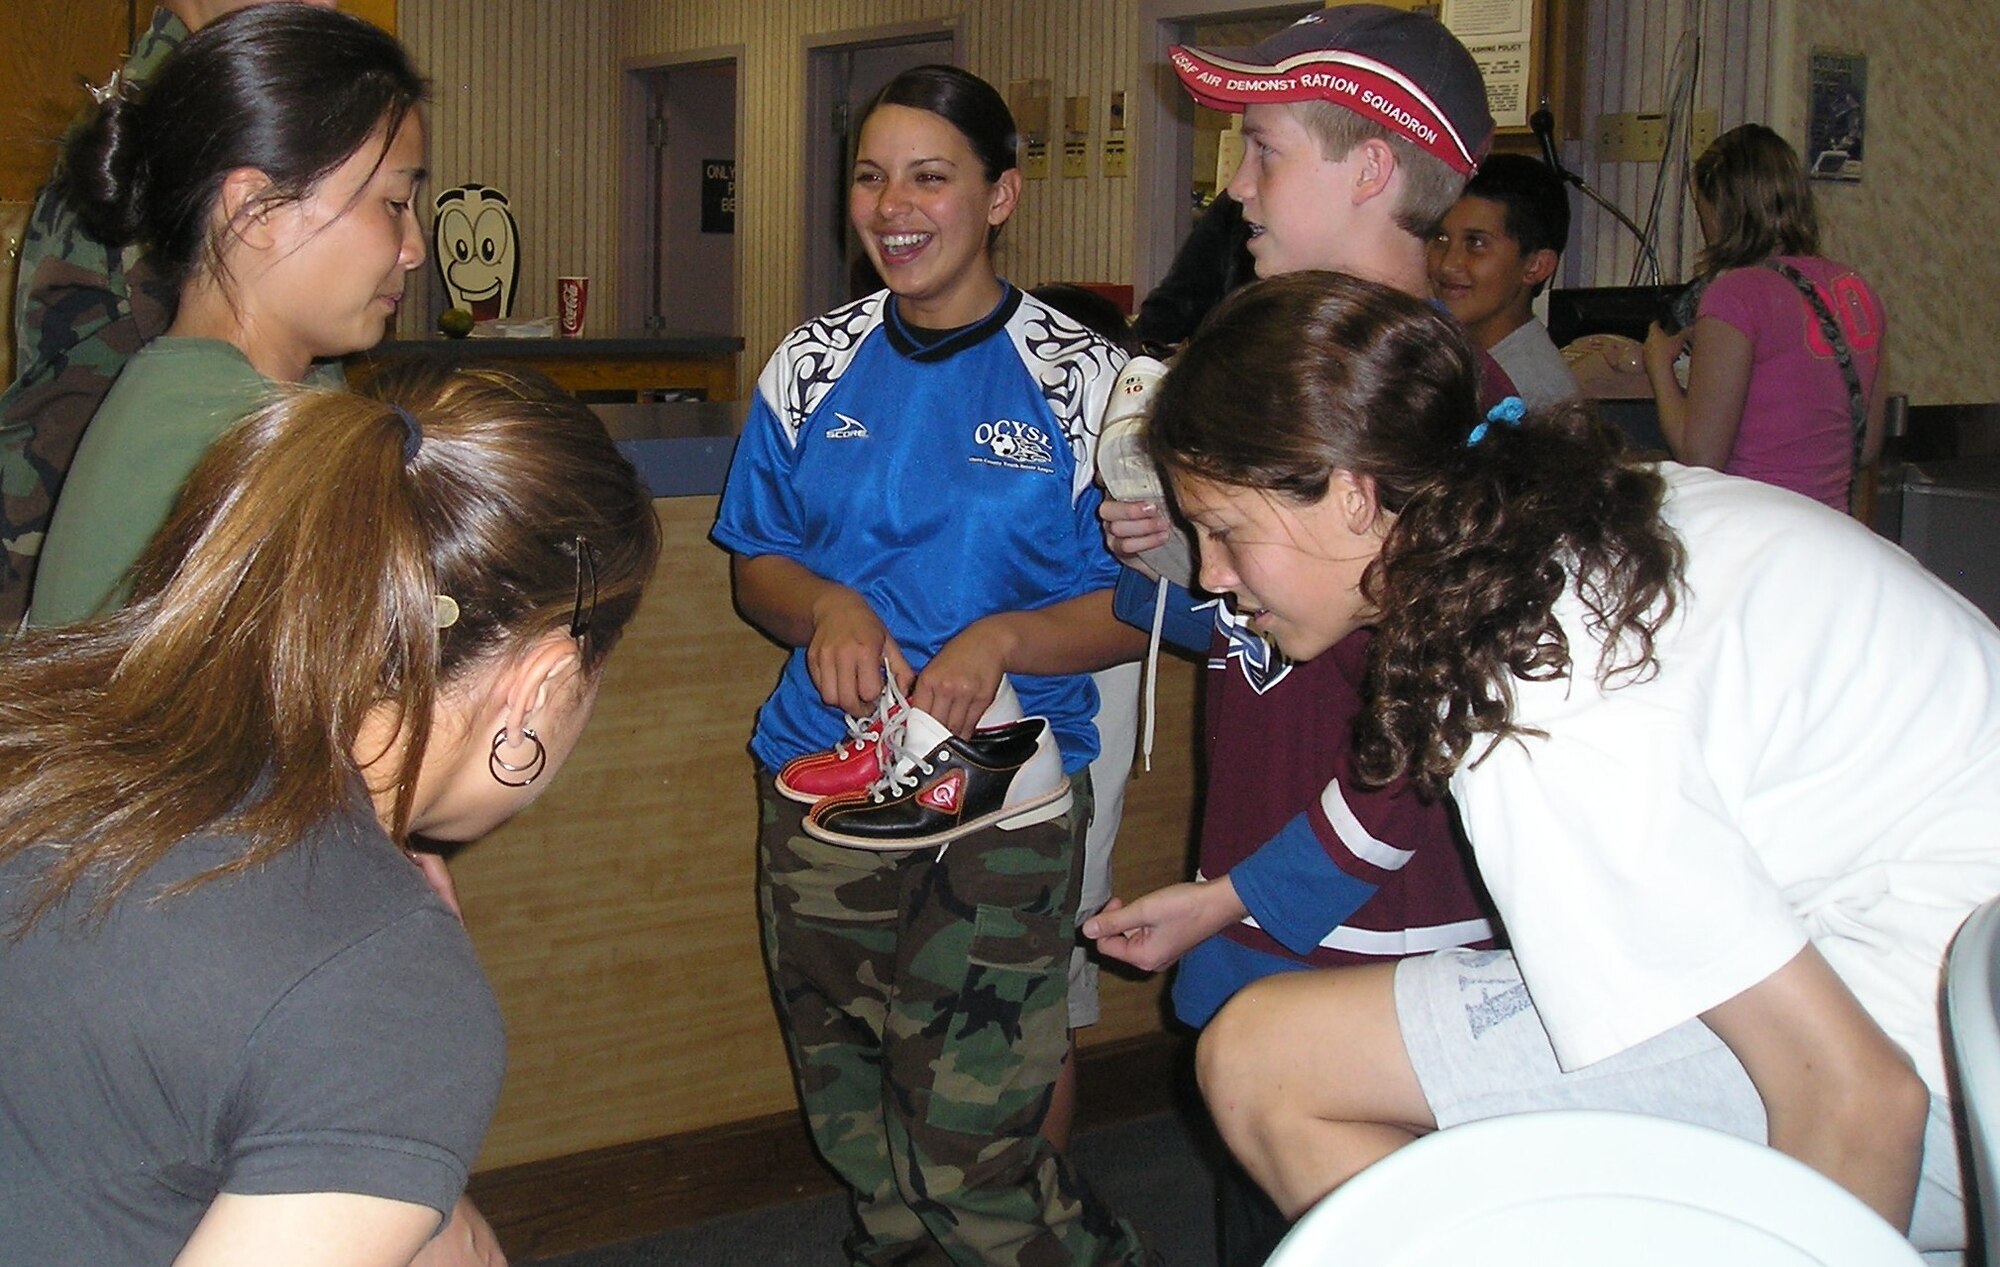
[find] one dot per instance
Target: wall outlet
(1631, 138)
(1642, 138)
(1703, 133)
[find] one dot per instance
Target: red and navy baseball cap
(1403, 69)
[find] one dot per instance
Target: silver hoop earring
(532, 767)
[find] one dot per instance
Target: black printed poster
(1836, 112)
(718, 195)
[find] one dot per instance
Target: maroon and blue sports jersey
(1332, 873)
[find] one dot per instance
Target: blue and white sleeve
(760, 512)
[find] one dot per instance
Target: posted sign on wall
(718, 195)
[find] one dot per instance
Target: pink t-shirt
(1797, 430)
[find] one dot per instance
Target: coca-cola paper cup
(572, 295)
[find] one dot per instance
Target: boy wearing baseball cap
(1361, 124)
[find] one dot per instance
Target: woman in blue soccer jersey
(913, 486)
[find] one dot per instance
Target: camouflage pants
(924, 1006)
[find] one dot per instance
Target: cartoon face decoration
(478, 250)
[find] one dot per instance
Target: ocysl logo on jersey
(1020, 446)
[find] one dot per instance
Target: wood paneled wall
(50, 46)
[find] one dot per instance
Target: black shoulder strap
(1857, 401)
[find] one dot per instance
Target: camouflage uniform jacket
(82, 309)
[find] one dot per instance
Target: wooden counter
(617, 915)
(704, 363)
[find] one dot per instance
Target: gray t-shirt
(318, 1025)
(1540, 374)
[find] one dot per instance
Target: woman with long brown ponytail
(240, 1025)
(1729, 833)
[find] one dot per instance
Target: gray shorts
(1479, 1051)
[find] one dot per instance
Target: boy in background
(1496, 250)
(1361, 125)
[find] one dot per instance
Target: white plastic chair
(1972, 1015)
(1573, 1186)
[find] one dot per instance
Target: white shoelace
(905, 768)
(1151, 708)
(863, 731)
(901, 768)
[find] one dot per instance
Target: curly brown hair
(1297, 377)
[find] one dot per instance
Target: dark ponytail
(1297, 377)
(292, 90)
(101, 174)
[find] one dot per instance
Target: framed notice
(1836, 109)
(718, 195)
(1500, 36)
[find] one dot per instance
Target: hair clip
(444, 610)
(110, 88)
(1508, 413)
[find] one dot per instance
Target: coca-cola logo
(569, 302)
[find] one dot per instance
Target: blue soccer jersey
(944, 481)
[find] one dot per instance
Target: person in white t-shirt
(1493, 253)
(1729, 764)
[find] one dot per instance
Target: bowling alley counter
(636, 366)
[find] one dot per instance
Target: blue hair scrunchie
(413, 433)
(1508, 413)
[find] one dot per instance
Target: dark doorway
(841, 78)
(678, 253)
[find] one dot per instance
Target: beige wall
(524, 97)
(1920, 224)
(1066, 230)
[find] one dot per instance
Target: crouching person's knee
(1230, 1058)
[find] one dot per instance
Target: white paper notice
(1471, 19)
(1497, 34)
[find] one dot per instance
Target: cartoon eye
(491, 230)
(454, 233)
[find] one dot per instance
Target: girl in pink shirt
(1766, 396)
